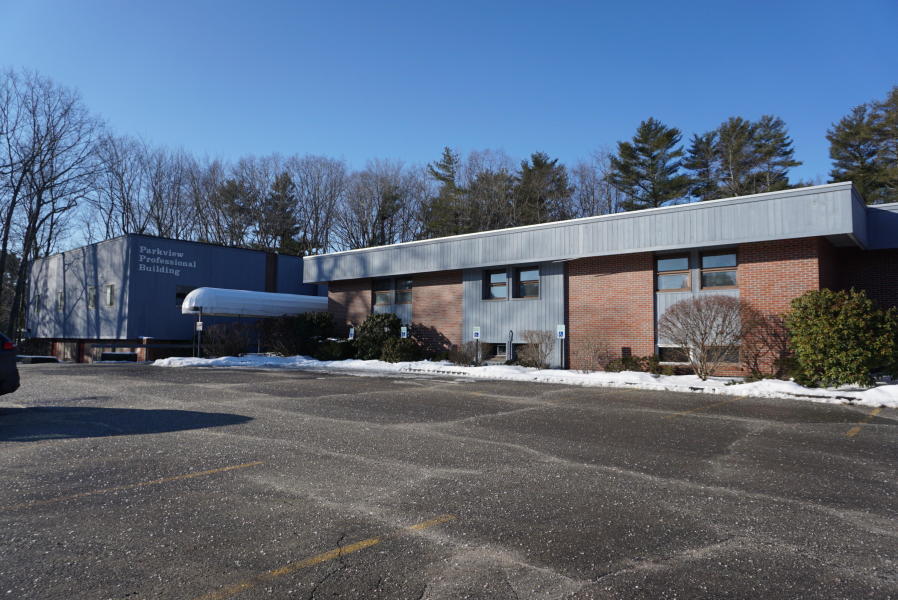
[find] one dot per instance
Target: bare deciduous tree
(320, 187)
(708, 327)
(380, 206)
(49, 144)
(593, 192)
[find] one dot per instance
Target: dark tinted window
(527, 279)
(496, 285)
(716, 261)
(673, 263)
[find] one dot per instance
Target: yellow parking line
(130, 486)
(857, 428)
(234, 589)
(695, 410)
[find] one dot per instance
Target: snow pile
(883, 395)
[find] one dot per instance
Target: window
(110, 295)
(60, 301)
(673, 354)
(495, 285)
(403, 291)
(91, 297)
(719, 270)
(383, 292)
(672, 274)
(181, 292)
(526, 282)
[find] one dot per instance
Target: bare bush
(593, 355)
(538, 345)
(465, 355)
(765, 344)
(710, 327)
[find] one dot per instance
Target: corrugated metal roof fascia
(824, 210)
(610, 217)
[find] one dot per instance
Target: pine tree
(647, 170)
(444, 214)
(741, 157)
(853, 149)
(542, 191)
(774, 154)
(702, 161)
(887, 138)
(736, 153)
(276, 223)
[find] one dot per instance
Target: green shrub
(842, 337)
(373, 334)
(401, 350)
(334, 350)
(301, 334)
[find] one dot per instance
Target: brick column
(437, 309)
(611, 300)
(349, 301)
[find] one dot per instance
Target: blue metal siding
(883, 226)
(146, 272)
(819, 211)
(497, 317)
(154, 310)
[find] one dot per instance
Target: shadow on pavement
(61, 422)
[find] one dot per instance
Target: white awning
(244, 303)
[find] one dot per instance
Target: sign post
(352, 333)
(475, 333)
(199, 333)
(403, 332)
(561, 334)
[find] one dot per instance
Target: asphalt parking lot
(145, 482)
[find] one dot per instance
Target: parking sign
(477, 333)
(560, 331)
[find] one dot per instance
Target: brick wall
(771, 274)
(611, 300)
(437, 306)
(349, 302)
(875, 271)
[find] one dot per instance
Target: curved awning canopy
(245, 303)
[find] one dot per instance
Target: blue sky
(359, 80)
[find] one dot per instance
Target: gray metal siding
(73, 273)
(497, 317)
(820, 211)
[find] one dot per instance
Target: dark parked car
(9, 372)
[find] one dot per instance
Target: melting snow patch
(883, 395)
